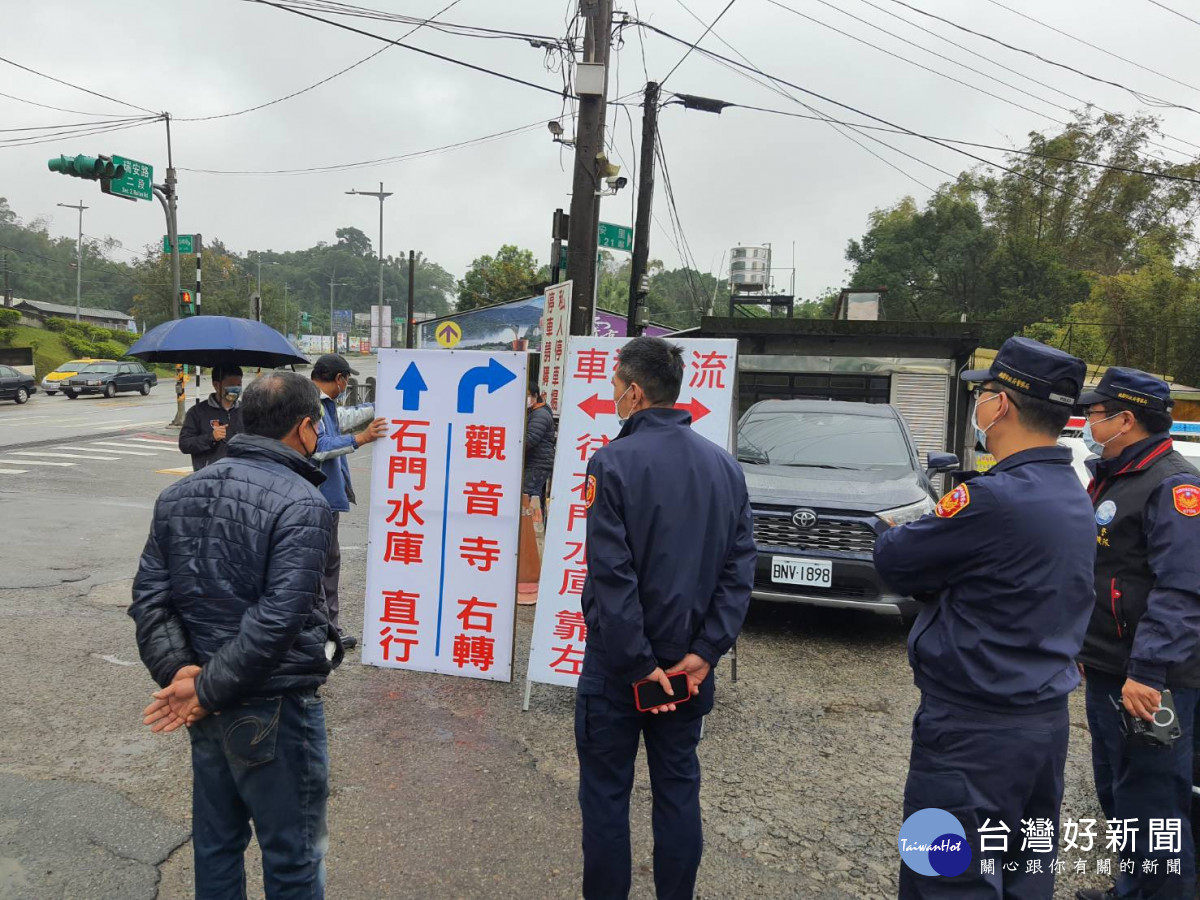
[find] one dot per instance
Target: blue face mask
(234, 390)
(981, 433)
(1093, 445)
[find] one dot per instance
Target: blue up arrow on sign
(412, 385)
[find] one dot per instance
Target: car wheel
(51, 393)
(110, 390)
(70, 395)
(22, 396)
(145, 389)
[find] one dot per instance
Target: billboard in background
(381, 326)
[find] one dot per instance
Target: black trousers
(608, 728)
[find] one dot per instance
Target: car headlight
(94, 383)
(903, 514)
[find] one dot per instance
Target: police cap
(1030, 367)
(1130, 386)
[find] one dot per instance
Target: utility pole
(645, 199)
(382, 195)
(412, 300)
(285, 310)
(78, 254)
(589, 143)
(7, 289)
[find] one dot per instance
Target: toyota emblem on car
(804, 518)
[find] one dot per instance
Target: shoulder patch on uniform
(1187, 499)
(589, 496)
(954, 502)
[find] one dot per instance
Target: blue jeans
(263, 760)
(1136, 781)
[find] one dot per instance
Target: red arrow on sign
(696, 408)
(594, 406)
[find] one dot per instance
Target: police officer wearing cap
(1144, 635)
(1003, 570)
(671, 555)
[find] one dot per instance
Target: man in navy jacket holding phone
(670, 547)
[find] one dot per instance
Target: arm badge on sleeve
(590, 492)
(956, 501)
(1187, 500)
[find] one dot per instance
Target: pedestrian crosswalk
(89, 455)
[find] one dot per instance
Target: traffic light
(93, 168)
(187, 305)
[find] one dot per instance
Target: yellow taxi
(50, 384)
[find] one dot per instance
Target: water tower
(749, 269)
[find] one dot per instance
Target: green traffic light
(90, 167)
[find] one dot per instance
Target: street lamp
(79, 254)
(382, 195)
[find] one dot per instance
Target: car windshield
(97, 368)
(823, 440)
(70, 367)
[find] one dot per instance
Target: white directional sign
(556, 325)
(589, 422)
(445, 512)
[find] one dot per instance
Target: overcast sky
(741, 177)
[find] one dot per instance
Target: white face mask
(1094, 445)
(617, 407)
(981, 433)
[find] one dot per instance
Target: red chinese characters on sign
(479, 552)
(591, 365)
(403, 510)
(404, 639)
(588, 444)
(404, 547)
(708, 369)
(483, 498)
(400, 608)
(570, 625)
(475, 614)
(485, 442)
(576, 512)
(477, 651)
(573, 581)
(569, 660)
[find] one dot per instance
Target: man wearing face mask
(331, 374)
(1144, 635)
(211, 423)
(670, 547)
(1003, 570)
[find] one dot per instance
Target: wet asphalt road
(440, 787)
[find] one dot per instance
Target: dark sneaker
(349, 641)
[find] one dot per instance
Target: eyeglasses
(1100, 412)
(984, 389)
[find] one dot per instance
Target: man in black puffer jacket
(231, 620)
(540, 439)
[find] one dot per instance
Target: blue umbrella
(216, 341)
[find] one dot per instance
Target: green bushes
(9, 317)
(91, 340)
(56, 324)
(6, 336)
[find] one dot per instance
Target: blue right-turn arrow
(412, 385)
(494, 375)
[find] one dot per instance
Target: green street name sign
(187, 243)
(615, 237)
(136, 184)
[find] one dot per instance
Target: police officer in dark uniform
(670, 547)
(1144, 635)
(1004, 572)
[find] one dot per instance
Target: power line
(395, 43)
(1148, 99)
(820, 115)
(1079, 40)
(1020, 74)
(338, 167)
(1174, 11)
(77, 87)
(692, 47)
(78, 112)
(58, 138)
(1029, 153)
(326, 80)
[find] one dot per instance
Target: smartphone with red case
(650, 694)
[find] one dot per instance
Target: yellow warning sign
(449, 334)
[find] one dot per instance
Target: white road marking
(30, 462)
(182, 470)
(107, 450)
(76, 424)
(61, 455)
(161, 442)
(136, 447)
(12, 471)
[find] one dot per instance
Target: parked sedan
(52, 383)
(16, 385)
(108, 378)
(825, 477)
